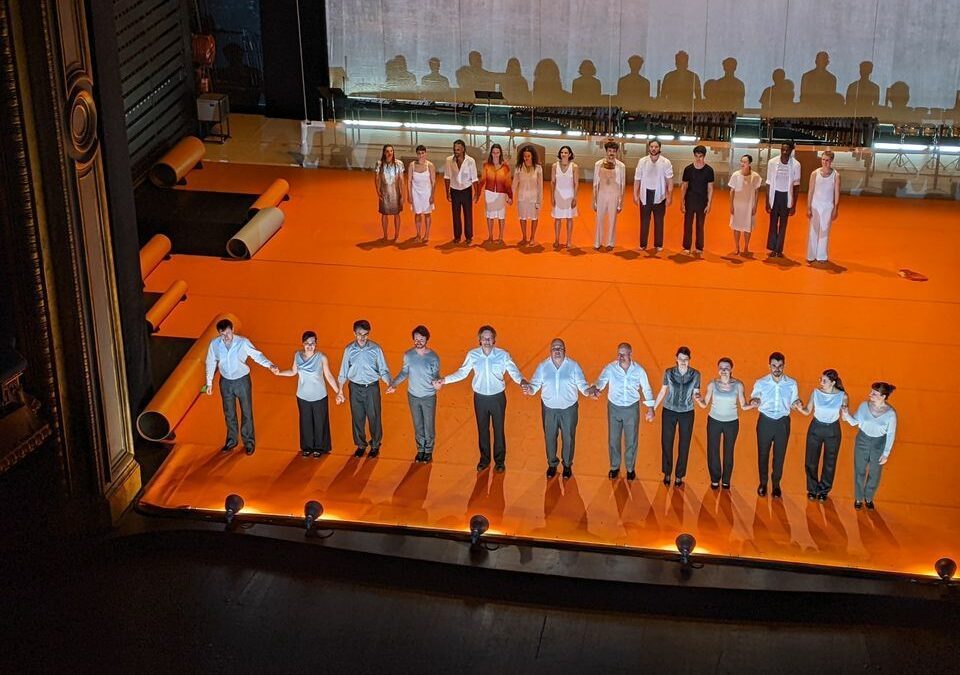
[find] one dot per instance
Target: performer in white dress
(743, 203)
(423, 179)
(528, 192)
(823, 204)
(565, 178)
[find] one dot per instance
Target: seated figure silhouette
(433, 82)
(473, 76)
(863, 95)
(398, 77)
(778, 98)
(513, 85)
(727, 92)
(680, 89)
(818, 88)
(633, 89)
(586, 89)
(547, 85)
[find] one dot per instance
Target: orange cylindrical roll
(276, 193)
(173, 400)
(256, 233)
(152, 253)
(165, 304)
(178, 162)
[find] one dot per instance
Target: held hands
(755, 402)
(340, 397)
(649, 415)
(437, 384)
(391, 389)
(275, 370)
(593, 392)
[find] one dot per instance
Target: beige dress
(388, 179)
(529, 192)
(743, 192)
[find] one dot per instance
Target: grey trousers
(563, 423)
(365, 409)
(867, 468)
(423, 409)
(232, 391)
(623, 423)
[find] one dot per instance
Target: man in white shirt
(228, 353)
(774, 395)
(489, 364)
(609, 183)
(463, 189)
(653, 190)
(560, 379)
(783, 185)
(627, 380)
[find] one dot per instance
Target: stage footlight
(232, 505)
(945, 568)
(478, 525)
(685, 545)
(312, 510)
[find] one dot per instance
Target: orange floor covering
(326, 268)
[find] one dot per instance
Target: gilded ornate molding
(81, 119)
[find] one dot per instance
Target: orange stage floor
(326, 268)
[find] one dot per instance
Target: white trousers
(819, 236)
(606, 211)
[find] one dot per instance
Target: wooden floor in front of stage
(325, 268)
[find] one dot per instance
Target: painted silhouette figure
(818, 86)
(778, 97)
(473, 76)
(586, 88)
(680, 89)
(633, 89)
(863, 95)
(434, 81)
(727, 92)
(513, 85)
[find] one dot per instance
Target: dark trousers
(669, 423)
(721, 472)
(772, 433)
(314, 425)
(779, 213)
(232, 391)
(365, 409)
(491, 410)
(423, 409)
(657, 211)
(462, 201)
(562, 423)
(693, 212)
(822, 439)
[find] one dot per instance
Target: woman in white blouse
(564, 179)
(823, 434)
(743, 203)
(877, 421)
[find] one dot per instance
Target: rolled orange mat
(178, 162)
(276, 193)
(256, 233)
(165, 303)
(181, 389)
(152, 253)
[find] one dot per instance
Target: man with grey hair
(559, 379)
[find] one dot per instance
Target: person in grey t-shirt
(421, 366)
(681, 386)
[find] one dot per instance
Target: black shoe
(631, 475)
(714, 486)
(776, 492)
(678, 482)
(228, 447)
(870, 506)
(500, 468)
(551, 471)
(418, 458)
(812, 496)
(858, 505)
(762, 490)
(666, 479)
(374, 453)
(359, 452)
(567, 471)
(613, 474)
(822, 496)
(250, 449)
(482, 465)
(725, 486)
(427, 458)
(318, 453)
(304, 453)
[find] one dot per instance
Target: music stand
(488, 96)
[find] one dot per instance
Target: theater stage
(325, 268)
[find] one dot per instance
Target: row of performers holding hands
(560, 381)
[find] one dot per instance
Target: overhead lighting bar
(666, 137)
(900, 147)
(743, 140)
(433, 126)
(572, 132)
(386, 124)
(546, 132)
(689, 139)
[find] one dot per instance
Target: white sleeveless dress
(421, 192)
(566, 190)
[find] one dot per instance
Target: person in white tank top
(422, 175)
(564, 180)
(823, 435)
(823, 203)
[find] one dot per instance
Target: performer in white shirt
(878, 428)
(560, 379)
(627, 381)
(489, 364)
(228, 353)
(823, 204)
(463, 189)
(783, 185)
(609, 182)
(653, 191)
(774, 395)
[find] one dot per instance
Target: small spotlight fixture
(686, 543)
(232, 505)
(478, 525)
(312, 511)
(946, 568)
